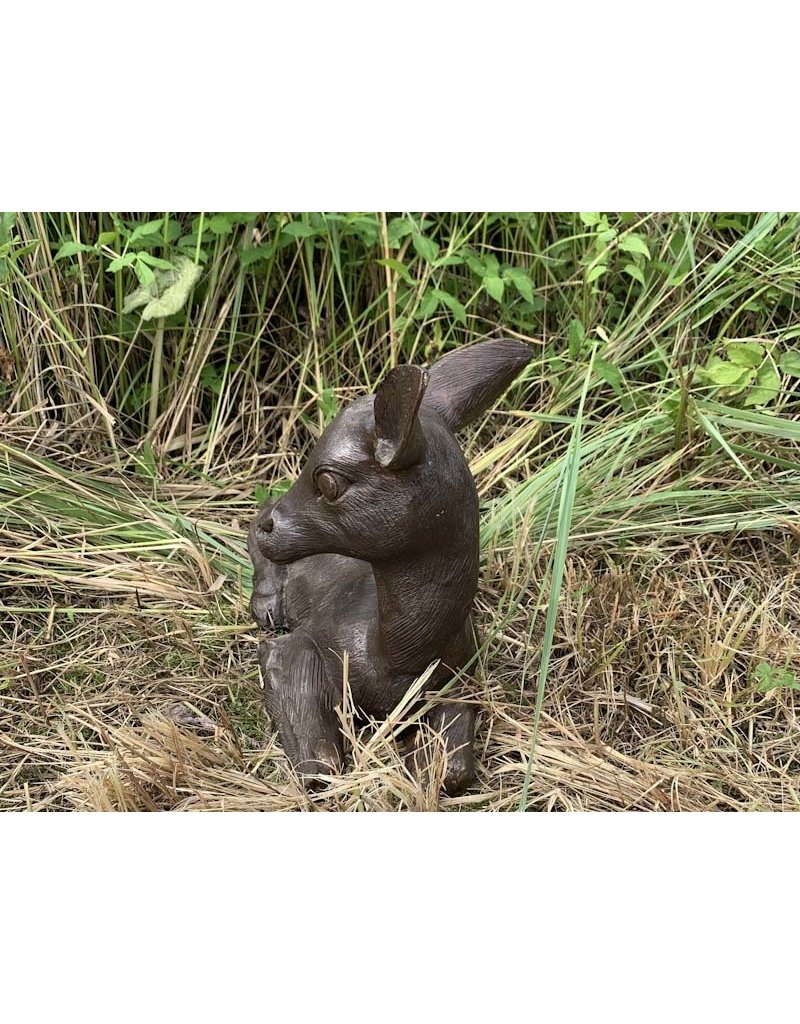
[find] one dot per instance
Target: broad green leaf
(154, 261)
(219, 224)
(71, 248)
(492, 264)
(596, 272)
(744, 353)
(144, 273)
(770, 678)
(453, 305)
(635, 272)
(122, 261)
(106, 238)
(590, 219)
(495, 286)
(152, 227)
(210, 378)
(475, 265)
(453, 260)
(519, 278)
(425, 247)
(396, 231)
(7, 222)
(398, 268)
(297, 229)
(789, 363)
(428, 305)
(723, 373)
(609, 373)
(634, 244)
(765, 388)
(254, 253)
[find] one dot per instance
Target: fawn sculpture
(374, 551)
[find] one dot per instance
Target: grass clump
(162, 374)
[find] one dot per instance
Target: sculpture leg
(301, 701)
(456, 723)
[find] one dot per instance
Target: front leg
(455, 722)
(302, 701)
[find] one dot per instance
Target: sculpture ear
(398, 434)
(464, 383)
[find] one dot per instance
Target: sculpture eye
(331, 485)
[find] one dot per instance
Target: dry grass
(650, 701)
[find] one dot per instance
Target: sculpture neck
(423, 601)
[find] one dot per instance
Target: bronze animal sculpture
(374, 551)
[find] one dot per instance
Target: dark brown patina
(374, 552)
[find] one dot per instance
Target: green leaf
(396, 231)
(453, 260)
(634, 244)
(398, 268)
(219, 224)
(7, 222)
(144, 273)
(519, 278)
(71, 248)
(596, 272)
(576, 336)
(254, 253)
(122, 261)
(328, 404)
(425, 247)
(744, 353)
(154, 261)
(428, 305)
(106, 238)
(790, 363)
(261, 494)
(770, 678)
(723, 373)
(635, 272)
(766, 387)
(475, 264)
(297, 229)
(453, 305)
(211, 379)
(492, 264)
(609, 373)
(152, 227)
(590, 219)
(495, 286)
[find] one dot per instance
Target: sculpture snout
(279, 533)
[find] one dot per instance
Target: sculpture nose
(266, 525)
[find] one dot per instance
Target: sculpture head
(387, 479)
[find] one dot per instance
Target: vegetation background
(161, 374)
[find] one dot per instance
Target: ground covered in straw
(639, 603)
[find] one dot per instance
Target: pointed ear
(464, 383)
(398, 434)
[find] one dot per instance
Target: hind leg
(302, 702)
(456, 723)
